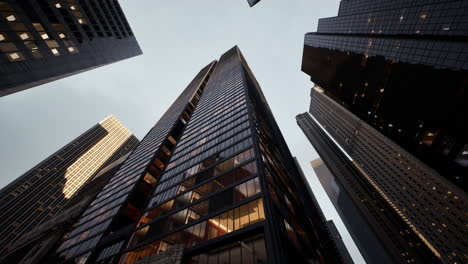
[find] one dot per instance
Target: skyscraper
(213, 181)
(391, 80)
(253, 2)
(42, 41)
(35, 246)
(41, 192)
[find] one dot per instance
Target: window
(24, 35)
(248, 251)
(44, 35)
(15, 56)
(58, 5)
(2, 38)
(55, 52)
(214, 227)
(11, 18)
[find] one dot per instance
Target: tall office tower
(41, 192)
(213, 181)
(253, 2)
(398, 73)
(43, 40)
(34, 246)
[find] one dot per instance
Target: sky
(178, 38)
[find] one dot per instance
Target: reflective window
(225, 223)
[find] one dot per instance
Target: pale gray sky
(178, 38)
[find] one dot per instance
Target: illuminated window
(423, 16)
(55, 52)
(44, 36)
(11, 18)
(23, 35)
(58, 5)
(81, 21)
(15, 56)
(2, 37)
(72, 7)
(62, 36)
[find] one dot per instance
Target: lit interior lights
(72, 7)
(24, 36)
(58, 5)
(44, 36)
(55, 52)
(62, 36)
(390, 202)
(11, 18)
(14, 56)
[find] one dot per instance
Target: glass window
(205, 230)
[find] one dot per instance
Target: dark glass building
(35, 246)
(392, 77)
(212, 182)
(42, 192)
(42, 40)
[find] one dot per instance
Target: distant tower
(42, 41)
(40, 193)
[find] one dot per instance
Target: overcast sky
(178, 38)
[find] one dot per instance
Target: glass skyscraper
(390, 88)
(42, 40)
(40, 193)
(212, 182)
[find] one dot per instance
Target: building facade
(42, 41)
(391, 80)
(40, 193)
(212, 182)
(35, 246)
(366, 239)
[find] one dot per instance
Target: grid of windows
(42, 192)
(133, 174)
(441, 54)
(416, 192)
(247, 251)
(211, 190)
(230, 221)
(61, 35)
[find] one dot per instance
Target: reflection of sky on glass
(178, 38)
